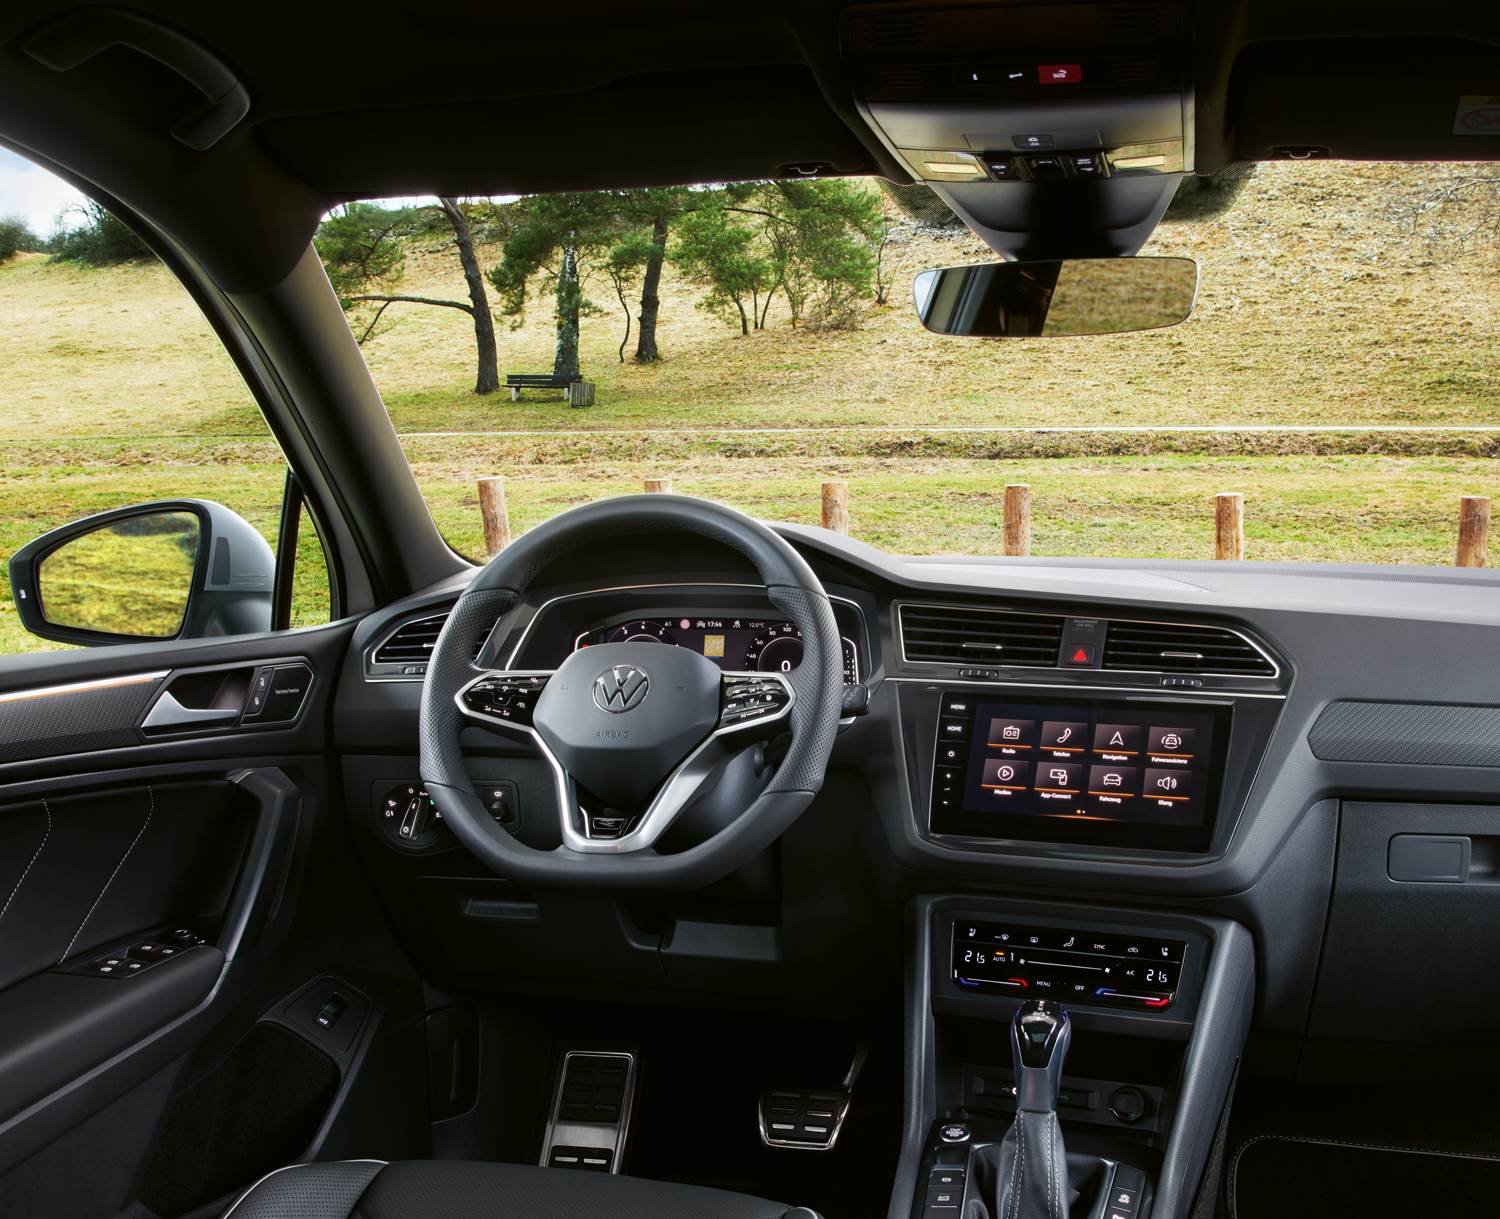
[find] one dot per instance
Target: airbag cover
(620, 717)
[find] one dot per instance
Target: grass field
(1321, 304)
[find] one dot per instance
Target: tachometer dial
(639, 630)
(776, 649)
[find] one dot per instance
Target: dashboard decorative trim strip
(1176, 694)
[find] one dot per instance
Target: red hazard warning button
(1081, 655)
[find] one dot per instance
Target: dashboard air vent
(412, 642)
(950, 635)
(1171, 648)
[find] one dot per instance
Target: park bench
(517, 381)
(575, 392)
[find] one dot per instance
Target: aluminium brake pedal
(809, 1119)
(590, 1117)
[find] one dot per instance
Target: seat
(441, 1189)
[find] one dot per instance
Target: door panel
(117, 833)
(90, 867)
(105, 980)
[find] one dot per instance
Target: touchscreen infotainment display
(1108, 771)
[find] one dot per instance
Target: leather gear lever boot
(1032, 1174)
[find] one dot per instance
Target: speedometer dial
(775, 649)
(639, 630)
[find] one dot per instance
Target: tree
(16, 237)
(827, 232)
(813, 242)
(1455, 215)
(717, 246)
(101, 240)
(565, 240)
(363, 252)
(646, 218)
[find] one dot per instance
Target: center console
(1158, 1004)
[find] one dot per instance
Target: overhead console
(1054, 131)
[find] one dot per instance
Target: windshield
(753, 343)
(1341, 370)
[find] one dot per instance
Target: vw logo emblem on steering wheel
(620, 688)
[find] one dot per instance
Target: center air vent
(949, 635)
(1158, 647)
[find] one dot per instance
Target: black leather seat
(439, 1189)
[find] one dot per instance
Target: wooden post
(836, 505)
(1018, 519)
(496, 519)
(659, 486)
(1229, 525)
(1473, 531)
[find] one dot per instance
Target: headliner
(485, 100)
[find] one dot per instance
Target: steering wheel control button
(509, 697)
(746, 699)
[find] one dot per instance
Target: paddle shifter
(1033, 1172)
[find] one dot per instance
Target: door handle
(169, 713)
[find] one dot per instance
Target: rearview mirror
(1056, 299)
(178, 569)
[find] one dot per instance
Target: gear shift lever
(1040, 1033)
(1033, 1171)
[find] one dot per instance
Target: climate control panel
(1071, 965)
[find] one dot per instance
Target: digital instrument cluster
(736, 645)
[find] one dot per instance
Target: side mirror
(176, 569)
(1057, 299)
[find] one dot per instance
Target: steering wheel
(634, 732)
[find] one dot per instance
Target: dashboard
(1250, 741)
